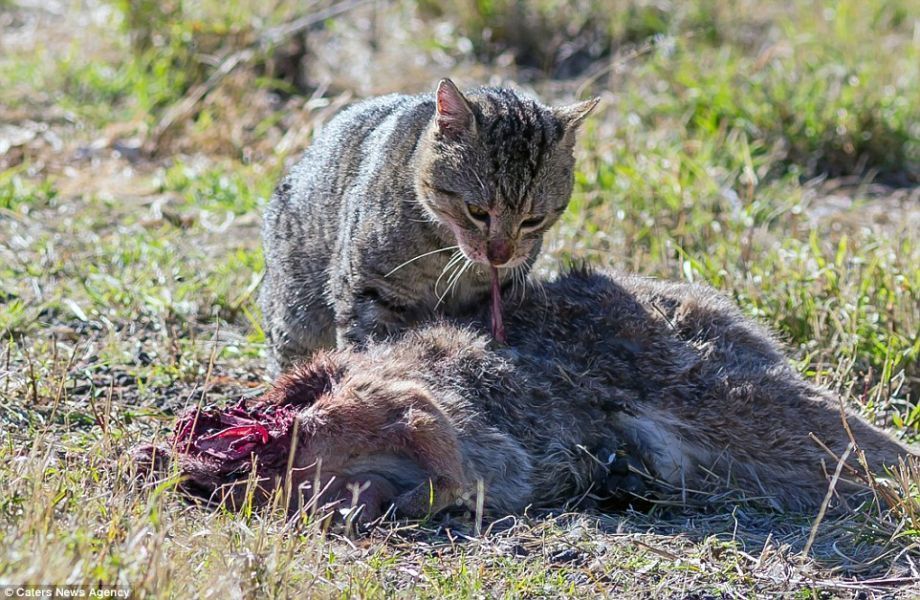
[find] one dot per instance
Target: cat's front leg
(369, 312)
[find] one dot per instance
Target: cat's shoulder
(378, 107)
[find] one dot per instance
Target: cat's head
(497, 169)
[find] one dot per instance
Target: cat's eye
(532, 223)
(445, 193)
(477, 212)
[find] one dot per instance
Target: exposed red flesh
(498, 327)
(233, 433)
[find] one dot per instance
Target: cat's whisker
(537, 284)
(412, 260)
(459, 276)
(454, 279)
(513, 282)
(454, 260)
(458, 264)
(519, 272)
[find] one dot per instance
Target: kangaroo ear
(573, 115)
(454, 114)
(304, 384)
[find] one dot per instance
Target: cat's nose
(499, 252)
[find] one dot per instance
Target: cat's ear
(573, 115)
(454, 114)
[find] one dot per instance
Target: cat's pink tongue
(498, 328)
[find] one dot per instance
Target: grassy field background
(770, 149)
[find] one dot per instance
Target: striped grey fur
(371, 231)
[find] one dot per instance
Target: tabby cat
(406, 207)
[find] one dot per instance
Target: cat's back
(341, 159)
(361, 134)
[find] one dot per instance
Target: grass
(772, 153)
(18, 193)
(819, 98)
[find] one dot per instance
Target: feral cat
(672, 373)
(403, 205)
